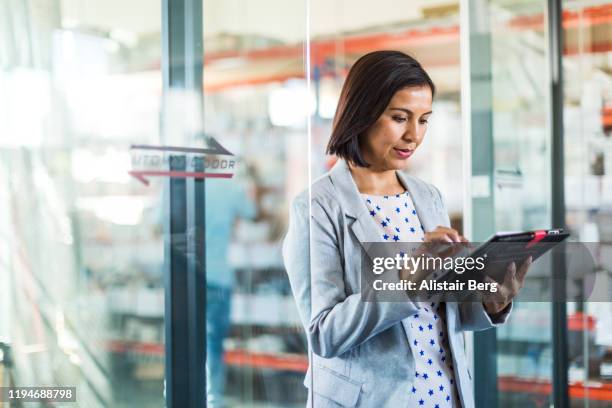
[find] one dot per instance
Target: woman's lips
(403, 153)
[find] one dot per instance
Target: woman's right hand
(436, 245)
(444, 234)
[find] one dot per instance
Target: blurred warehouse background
(82, 245)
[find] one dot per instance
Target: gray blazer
(359, 354)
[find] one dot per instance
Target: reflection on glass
(588, 183)
(518, 109)
(81, 296)
(521, 135)
(522, 184)
(256, 104)
(82, 271)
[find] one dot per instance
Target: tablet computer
(516, 247)
(506, 247)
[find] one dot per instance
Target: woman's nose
(411, 132)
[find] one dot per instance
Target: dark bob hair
(371, 83)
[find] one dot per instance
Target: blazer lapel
(364, 227)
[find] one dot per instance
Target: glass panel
(512, 180)
(256, 105)
(520, 114)
(82, 249)
(588, 184)
(521, 178)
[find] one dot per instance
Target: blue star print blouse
(434, 382)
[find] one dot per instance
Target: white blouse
(434, 384)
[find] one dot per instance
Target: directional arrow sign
(215, 148)
(142, 175)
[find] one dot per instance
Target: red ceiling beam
(323, 48)
(320, 49)
(589, 16)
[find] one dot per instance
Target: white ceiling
(281, 19)
(137, 16)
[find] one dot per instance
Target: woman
(379, 354)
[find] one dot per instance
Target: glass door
(81, 272)
(513, 123)
(256, 105)
(510, 182)
(587, 112)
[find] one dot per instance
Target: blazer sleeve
(335, 321)
(472, 315)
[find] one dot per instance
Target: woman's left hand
(513, 283)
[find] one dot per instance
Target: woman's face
(400, 129)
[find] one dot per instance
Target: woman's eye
(423, 121)
(399, 119)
